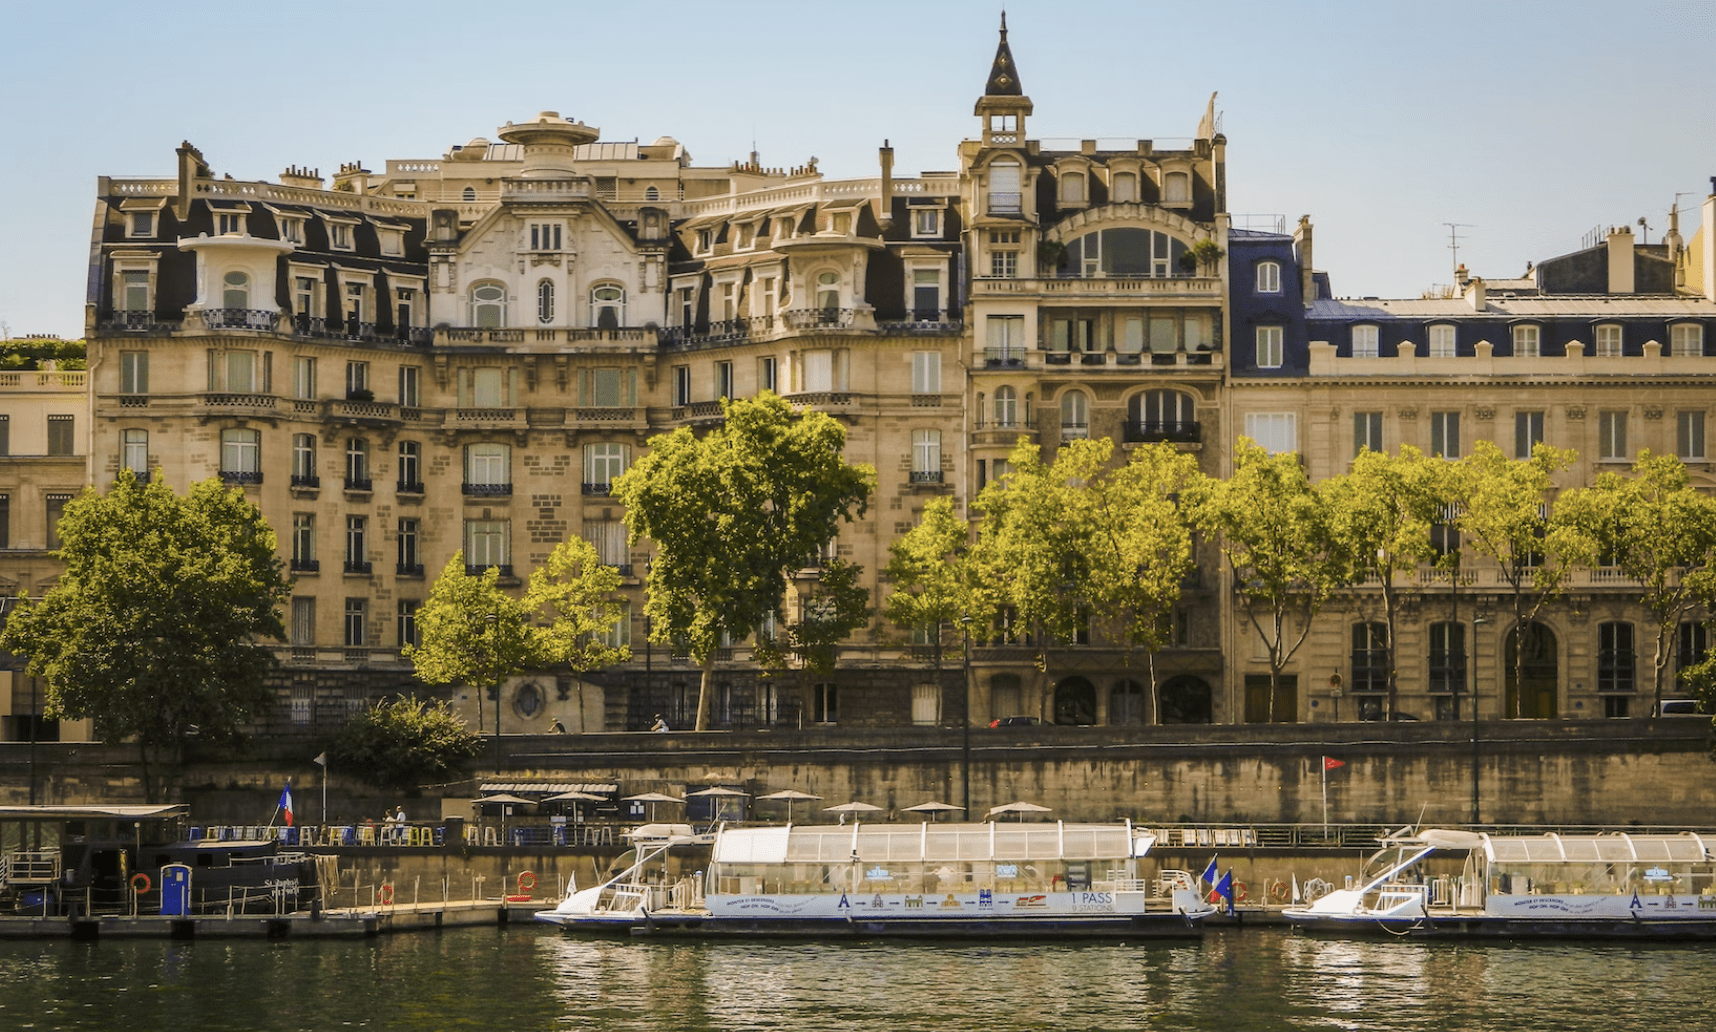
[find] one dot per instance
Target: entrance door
(1075, 702)
(1257, 710)
(1536, 698)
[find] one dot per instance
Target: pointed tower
(1003, 106)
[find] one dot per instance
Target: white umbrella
(506, 801)
(1021, 808)
(718, 793)
(934, 809)
(845, 808)
(789, 794)
(574, 797)
(653, 798)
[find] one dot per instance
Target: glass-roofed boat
(1615, 884)
(989, 879)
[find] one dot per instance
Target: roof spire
(1003, 74)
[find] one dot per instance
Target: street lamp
(1477, 621)
(493, 620)
(965, 763)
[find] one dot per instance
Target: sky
(1527, 124)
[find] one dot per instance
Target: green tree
(1277, 535)
(405, 742)
(732, 514)
(1505, 512)
(156, 629)
(930, 568)
(470, 631)
(1381, 512)
(830, 607)
(1661, 532)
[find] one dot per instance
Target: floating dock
(348, 923)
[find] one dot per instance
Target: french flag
(286, 803)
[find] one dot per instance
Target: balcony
(358, 567)
(926, 476)
(413, 487)
(819, 318)
(1004, 358)
(363, 484)
(136, 322)
(304, 565)
(726, 331)
(363, 411)
(929, 320)
(601, 490)
(409, 569)
(261, 320)
(362, 332)
(1097, 289)
(478, 569)
(607, 415)
(306, 481)
(1140, 431)
(488, 490)
(239, 401)
(245, 477)
(632, 338)
(481, 418)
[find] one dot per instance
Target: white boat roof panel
(928, 842)
(1685, 847)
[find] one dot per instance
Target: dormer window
(1609, 340)
(1526, 341)
(1125, 188)
(1364, 341)
(235, 290)
(783, 229)
(229, 223)
(545, 236)
(1177, 188)
(1442, 341)
(705, 240)
(392, 240)
(1269, 277)
(142, 224)
(926, 222)
(1686, 340)
(340, 234)
(469, 193)
(1072, 188)
(292, 230)
(1003, 123)
(651, 194)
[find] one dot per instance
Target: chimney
(1475, 293)
(885, 210)
(1621, 260)
(1302, 242)
(191, 168)
(306, 178)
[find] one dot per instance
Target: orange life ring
(1278, 892)
(386, 894)
(526, 881)
(1239, 893)
(146, 883)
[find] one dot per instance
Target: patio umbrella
(789, 794)
(845, 808)
(653, 798)
(574, 797)
(1021, 808)
(719, 793)
(505, 800)
(934, 809)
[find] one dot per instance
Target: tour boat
(930, 879)
(1514, 886)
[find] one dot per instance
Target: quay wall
(1565, 772)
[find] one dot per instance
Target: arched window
(545, 302)
(1072, 188)
(488, 305)
(1125, 189)
(1006, 407)
(607, 307)
(652, 194)
(1075, 415)
(1177, 188)
(236, 292)
(1004, 188)
(470, 193)
(828, 290)
(1269, 277)
(1615, 658)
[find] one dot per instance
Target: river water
(523, 979)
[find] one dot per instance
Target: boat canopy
(929, 842)
(1618, 847)
(78, 813)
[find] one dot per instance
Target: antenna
(1645, 239)
(1454, 239)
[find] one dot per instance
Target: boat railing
(622, 898)
(1400, 892)
(1119, 881)
(30, 867)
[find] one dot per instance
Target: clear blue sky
(1530, 122)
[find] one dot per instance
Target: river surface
(528, 978)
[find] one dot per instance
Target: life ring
(386, 893)
(1239, 893)
(1278, 892)
(526, 881)
(140, 876)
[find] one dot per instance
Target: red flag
(1329, 763)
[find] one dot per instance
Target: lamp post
(965, 749)
(494, 679)
(1476, 622)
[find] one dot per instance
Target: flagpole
(1325, 799)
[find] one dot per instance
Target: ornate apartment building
(461, 354)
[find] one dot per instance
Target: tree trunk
(703, 691)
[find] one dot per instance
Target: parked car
(1014, 721)
(1680, 708)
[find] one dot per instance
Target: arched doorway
(1186, 700)
(1127, 703)
(1075, 702)
(1536, 697)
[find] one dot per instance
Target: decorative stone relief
(1409, 412)
(1575, 412)
(1484, 413)
(1653, 412)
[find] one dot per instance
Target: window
(410, 386)
(724, 380)
(1527, 433)
(487, 387)
(1160, 412)
(134, 452)
(357, 306)
(926, 372)
(62, 435)
(56, 508)
(926, 222)
(926, 456)
(1445, 435)
(825, 704)
(1269, 277)
(488, 469)
(1444, 536)
(1075, 415)
(408, 622)
(1131, 335)
(304, 300)
(1370, 657)
(1448, 658)
(1124, 189)
(765, 297)
(357, 533)
(1612, 435)
(357, 381)
(1006, 336)
(304, 542)
(355, 612)
(766, 374)
(1609, 340)
(303, 621)
(1615, 660)
(357, 464)
(134, 372)
(1177, 188)
(1692, 644)
(545, 302)
(488, 305)
(824, 370)
(608, 538)
(828, 290)
(239, 372)
(603, 464)
(291, 229)
(1274, 432)
(926, 295)
(304, 378)
(134, 290)
(682, 385)
(1072, 188)
(340, 236)
(1526, 341)
(486, 543)
(1004, 264)
(705, 240)
(1367, 432)
(142, 224)
(1364, 342)
(1442, 341)
(1689, 434)
(229, 222)
(410, 565)
(304, 461)
(1068, 335)
(468, 194)
(241, 456)
(410, 466)
(1005, 188)
(618, 635)
(404, 308)
(1686, 340)
(607, 307)
(545, 236)
(1269, 347)
(1006, 407)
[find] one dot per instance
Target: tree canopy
(157, 628)
(405, 741)
(731, 514)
